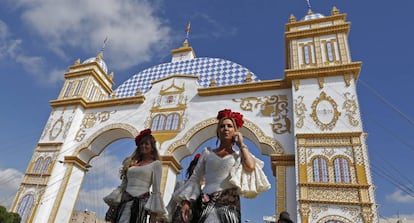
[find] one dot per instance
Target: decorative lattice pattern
(224, 72)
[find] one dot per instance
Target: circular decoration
(56, 128)
(325, 112)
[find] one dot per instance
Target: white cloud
(135, 32)
(11, 49)
(105, 166)
(400, 197)
(93, 198)
(10, 179)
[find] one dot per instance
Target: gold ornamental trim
(172, 162)
(174, 76)
(336, 185)
(97, 104)
(362, 204)
(333, 110)
(294, 23)
(326, 71)
(245, 87)
(330, 135)
(95, 75)
(77, 162)
(305, 33)
(49, 144)
(282, 160)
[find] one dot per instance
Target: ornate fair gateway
(308, 124)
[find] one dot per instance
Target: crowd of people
(215, 180)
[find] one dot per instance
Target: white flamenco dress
(139, 182)
(221, 174)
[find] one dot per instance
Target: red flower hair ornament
(141, 135)
(227, 113)
(197, 156)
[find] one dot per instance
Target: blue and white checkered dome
(101, 63)
(223, 71)
(313, 16)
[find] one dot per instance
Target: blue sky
(40, 39)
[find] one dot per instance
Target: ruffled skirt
(221, 206)
(132, 209)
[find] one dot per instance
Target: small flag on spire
(104, 43)
(187, 30)
(309, 4)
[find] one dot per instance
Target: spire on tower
(104, 44)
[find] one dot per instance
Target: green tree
(8, 217)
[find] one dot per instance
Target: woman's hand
(238, 139)
(185, 211)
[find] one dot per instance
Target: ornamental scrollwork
(275, 106)
(89, 121)
(351, 108)
(300, 109)
(325, 112)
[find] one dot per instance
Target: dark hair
(192, 165)
(136, 155)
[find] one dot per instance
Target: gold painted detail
(351, 108)
(325, 71)
(304, 210)
(276, 146)
(184, 140)
(114, 102)
(328, 194)
(280, 188)
(171, 162)
(347, 78)
(329, 139)
(367, 214)
(300, 110)
(321, 82)
(57, 128)
(268, 85)
(319, 212)
(325, 112)
(359, 155)
(275, 106)
(67, 126)
(77, 162)
(336, 218)
(89, 121)
(296, 82)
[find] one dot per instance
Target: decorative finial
(213, 82)
(111, 75)
(187, 30)
(77, 62)
(292, 18)
(113, 94)
(248, 77)
(335, 11)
